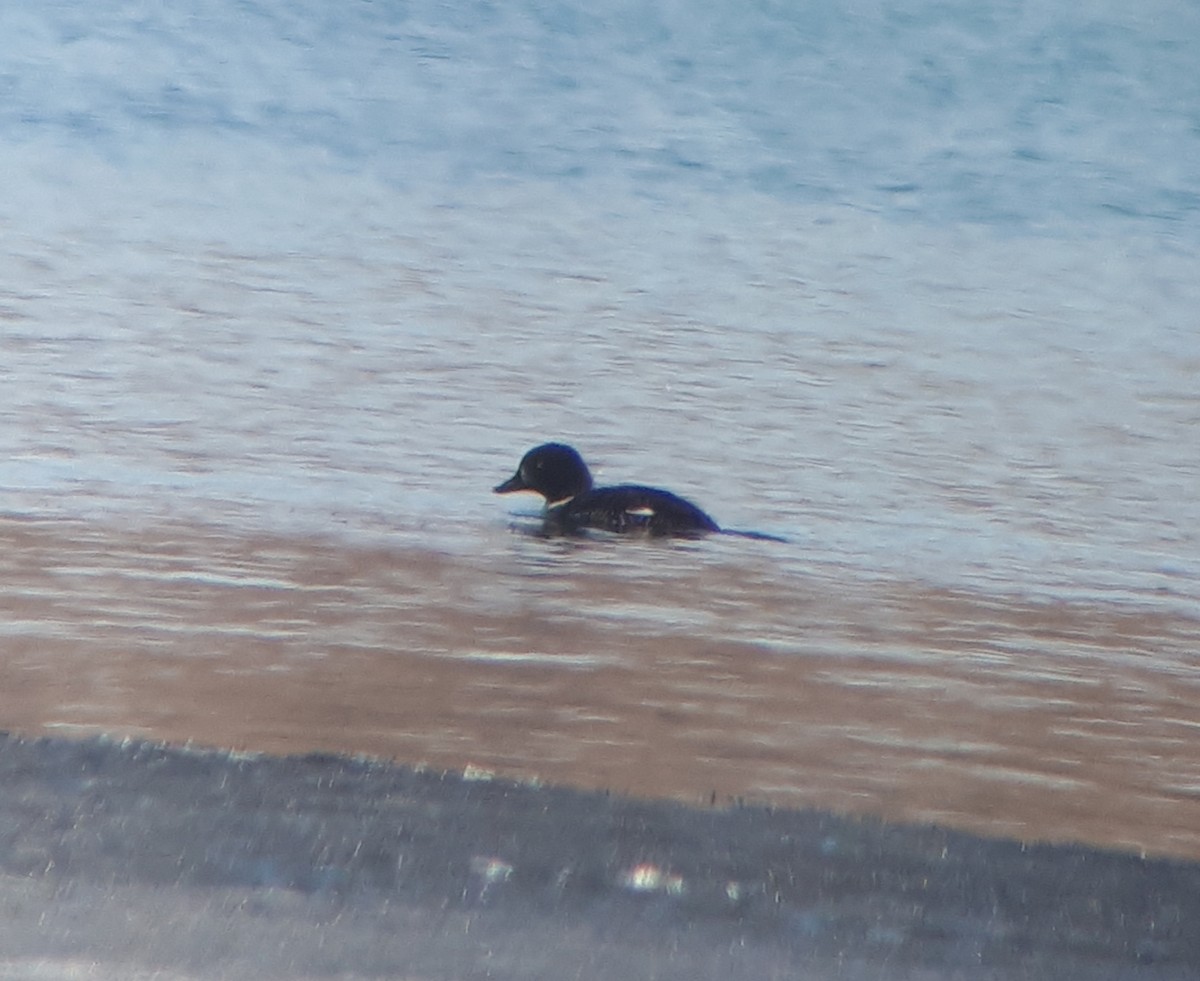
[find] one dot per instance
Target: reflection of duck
(558, 473)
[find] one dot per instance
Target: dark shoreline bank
(134, 858)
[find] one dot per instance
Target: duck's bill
(514, 483)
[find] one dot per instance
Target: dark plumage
(558, 473)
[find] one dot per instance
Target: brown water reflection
(719, 675)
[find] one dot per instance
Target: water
(286, 290)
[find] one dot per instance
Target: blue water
(911, 284)
(1055, 116)
(287, 288)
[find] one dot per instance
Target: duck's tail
(758, 536)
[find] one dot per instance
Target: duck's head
(553, 470)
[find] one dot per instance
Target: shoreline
(136, 857)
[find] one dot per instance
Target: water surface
(285, 292)
(695, 671)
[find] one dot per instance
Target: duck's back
(633, 508)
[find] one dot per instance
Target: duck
(557, 472)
